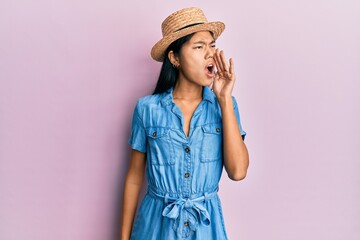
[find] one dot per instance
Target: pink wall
(71, 71)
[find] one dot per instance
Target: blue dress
(183, 173)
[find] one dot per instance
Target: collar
(208, 95)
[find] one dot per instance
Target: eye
(213, 46)
(198, 47)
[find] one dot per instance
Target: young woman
(182, 135)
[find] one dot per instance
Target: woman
(185, 132)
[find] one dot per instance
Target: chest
(187, 111)
(182, 121)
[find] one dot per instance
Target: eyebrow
(202, 42)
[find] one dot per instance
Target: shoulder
(148, 100)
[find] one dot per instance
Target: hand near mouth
(225, 76)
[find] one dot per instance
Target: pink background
(71, 71)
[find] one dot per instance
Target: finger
(216, 60)
(231, 66)
(223, 61)
(219, 58)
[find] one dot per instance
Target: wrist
(225, 101)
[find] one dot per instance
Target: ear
(174, 59)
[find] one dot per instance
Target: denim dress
(182, 172)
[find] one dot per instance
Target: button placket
(187, 170)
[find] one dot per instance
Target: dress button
(186, 224)
(187, 149)
(187, 175)
(217, 129)
(154, 134)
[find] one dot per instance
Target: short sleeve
(237, 114)
(137, 138)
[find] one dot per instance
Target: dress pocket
(212, 146)
(161, 147)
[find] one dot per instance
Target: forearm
(130, 201)
(236, 158)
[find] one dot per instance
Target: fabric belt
(193, 206)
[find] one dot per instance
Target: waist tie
(193, 206)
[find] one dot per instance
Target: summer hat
(180, 24)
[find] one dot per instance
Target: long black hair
(168, 74)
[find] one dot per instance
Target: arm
(236, 156)
(132, 188)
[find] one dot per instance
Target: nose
(210, 52)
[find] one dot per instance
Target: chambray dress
(183, 173)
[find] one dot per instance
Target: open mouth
(210, 68)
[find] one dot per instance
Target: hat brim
(158, 50)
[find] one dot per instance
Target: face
(196, 59)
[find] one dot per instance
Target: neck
(187, 91)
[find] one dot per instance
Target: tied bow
(193, 207)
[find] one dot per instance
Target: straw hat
(180, 24)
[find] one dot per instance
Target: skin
(195, 55)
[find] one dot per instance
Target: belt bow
(192, 206)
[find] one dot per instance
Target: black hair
(169, 74)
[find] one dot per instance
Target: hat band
(187, 26)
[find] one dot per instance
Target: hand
(225, 76)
